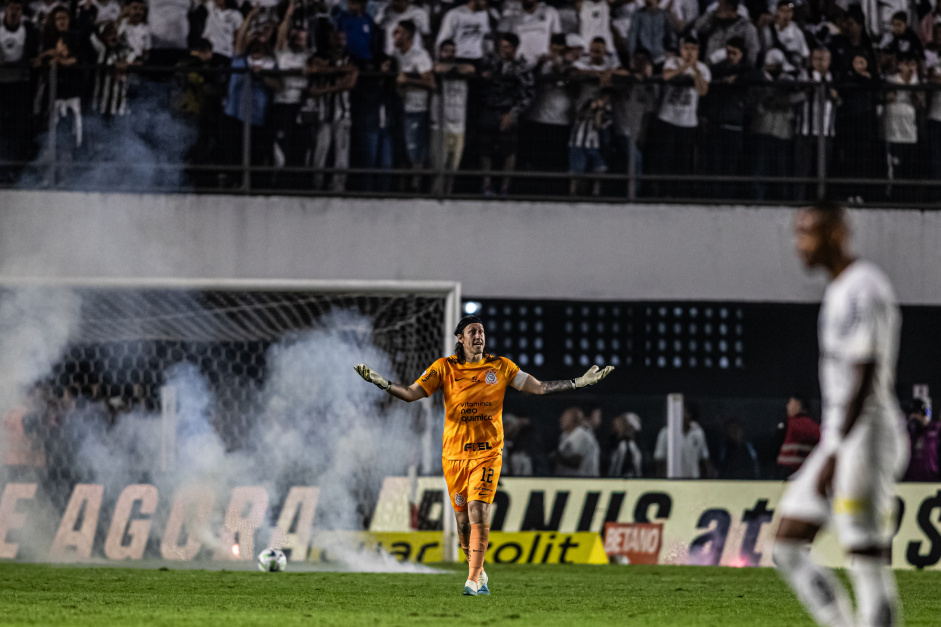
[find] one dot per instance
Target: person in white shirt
(169, 25)
(449, 114)
(134, 30)
(467, 26)
(901, 125)
(785, 35)
(415, 82)
(221, 26)
(848, 481)
(291, 53)
(394, 12)
(626, 460)
(599, 65)
(694, 455)
(686, 80)
(594, 20)
(534, 25)
(578, 453)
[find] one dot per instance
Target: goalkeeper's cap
(466, 320)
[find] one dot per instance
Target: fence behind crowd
(208, 129)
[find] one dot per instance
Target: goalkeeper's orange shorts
(472, 479)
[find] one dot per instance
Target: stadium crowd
(589, 446)
(760, 88)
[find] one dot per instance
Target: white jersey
(859, 323)
(594, 20)
(137, 37)
(387, 19)
(415, 61)
(221, 26)
(534, 30)
(466, 29)
(581, 442)
(12, 44)
(169, 24)
(693, 451)
(681, 102)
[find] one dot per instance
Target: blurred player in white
(849, 479)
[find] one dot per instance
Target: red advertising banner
(634, 543)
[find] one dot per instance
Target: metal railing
(53, 164)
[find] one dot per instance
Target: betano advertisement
(535, 521)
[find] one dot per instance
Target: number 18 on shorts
(472, 479)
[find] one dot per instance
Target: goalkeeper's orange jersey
(473, 403)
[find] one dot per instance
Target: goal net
(128, 380)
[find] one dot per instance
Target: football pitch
(522, 595)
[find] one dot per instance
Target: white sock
(815, 586)
(876, 594)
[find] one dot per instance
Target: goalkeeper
(474, 384)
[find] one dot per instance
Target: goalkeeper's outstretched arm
(532, 385)
(409, 393)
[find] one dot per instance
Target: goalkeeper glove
(593, 376)
(373, 377)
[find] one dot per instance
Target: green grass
(522, 595)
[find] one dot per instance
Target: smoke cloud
(311, 422)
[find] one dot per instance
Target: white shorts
(862, 506)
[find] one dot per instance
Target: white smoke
(315, 423)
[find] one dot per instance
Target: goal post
(127, 332)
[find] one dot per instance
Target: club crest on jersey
(459, 499)
(491, 378)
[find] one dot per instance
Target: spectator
(596, 69)
(853, 42)
(415, 80)
(40, 10)
(926, 30)
(901, 126)
(467, 26)
(251, 54)
(198, 99)
(359, 30)
(923, 435)
(396, 11)
(518, 440)
(19, 45)
(737, 456)
(588, 141)
(801, 433)
(133, 28)
(546, 128)
(112, 55)
(327, 109)
(934, 117)
(626, 459)
(857, 128)
(170, 31)
(220, 24)
(102, 10)
(636, 99)
(291, 54)
(594, 20)
(686, 80)
(785, 35)
(716, 28)
(694, 454)
(817, 118)
(878, 15)
(725, 109)
(902, 39)
(510, 92)
(61, 48)
(651, 29)
(534, 25)
(773, 125)
(578, 453)
(449, 114)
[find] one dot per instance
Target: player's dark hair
(901, 16)
(463, 324)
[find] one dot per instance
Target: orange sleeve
(510, 369)
(431, 379)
